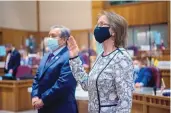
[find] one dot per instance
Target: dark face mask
(101, 34)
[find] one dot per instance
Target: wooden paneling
(1, 71)
(95, 13)
(163, 58)
(137, 108)
(14, 95)
(154, 110)
(97, 4)
(16, 37)
(82, 106)
(97, 7)
(141, 104)
(81, 37)
(143, 13)
(44, 34)
(165, 73)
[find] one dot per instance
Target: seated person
(143, 75)
(24, 59)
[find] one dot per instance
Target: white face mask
(136, 68)
(52, 43)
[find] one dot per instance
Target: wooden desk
(1, 71)
(165, 73)
(14, 95)
(150, 104)
(143, 102)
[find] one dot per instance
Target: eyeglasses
(102, 25)
(52, 36)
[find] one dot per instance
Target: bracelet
(73, 57)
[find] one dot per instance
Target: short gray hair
(65, 32)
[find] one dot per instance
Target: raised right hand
(73, 47)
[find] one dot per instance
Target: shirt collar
(58, 50)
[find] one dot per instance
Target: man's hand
(34, 99)
(38, 104)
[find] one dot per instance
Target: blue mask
(136, 68)
(52, 43)
(101, 34)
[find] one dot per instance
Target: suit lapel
(52, 62)
(11, 56)
(44, 63)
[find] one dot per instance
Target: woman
(110, 81)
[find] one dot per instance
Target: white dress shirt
(8, 58)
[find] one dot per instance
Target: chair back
(23, 70)
(156, 77)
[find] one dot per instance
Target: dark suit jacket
(55, 84)
(14, 62)
(144, 76)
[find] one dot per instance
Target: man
(31, 44)
(143, 74)
(53, 89)
(12, 61)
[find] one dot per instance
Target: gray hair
(119, 25)
(65, 32)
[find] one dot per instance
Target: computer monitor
(2, 51)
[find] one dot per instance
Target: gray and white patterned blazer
(109, 84)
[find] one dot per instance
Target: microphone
(154, 89)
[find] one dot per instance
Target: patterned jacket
(109, 84)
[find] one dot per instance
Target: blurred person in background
(143, 74)
(84, 56)
(12, 61)
(53, 89)
(31, 44)
(24, 59)
(22, 50)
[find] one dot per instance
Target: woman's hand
(73, 47)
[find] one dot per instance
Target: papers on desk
(145, 47)
(165, 92)
(164, 64)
